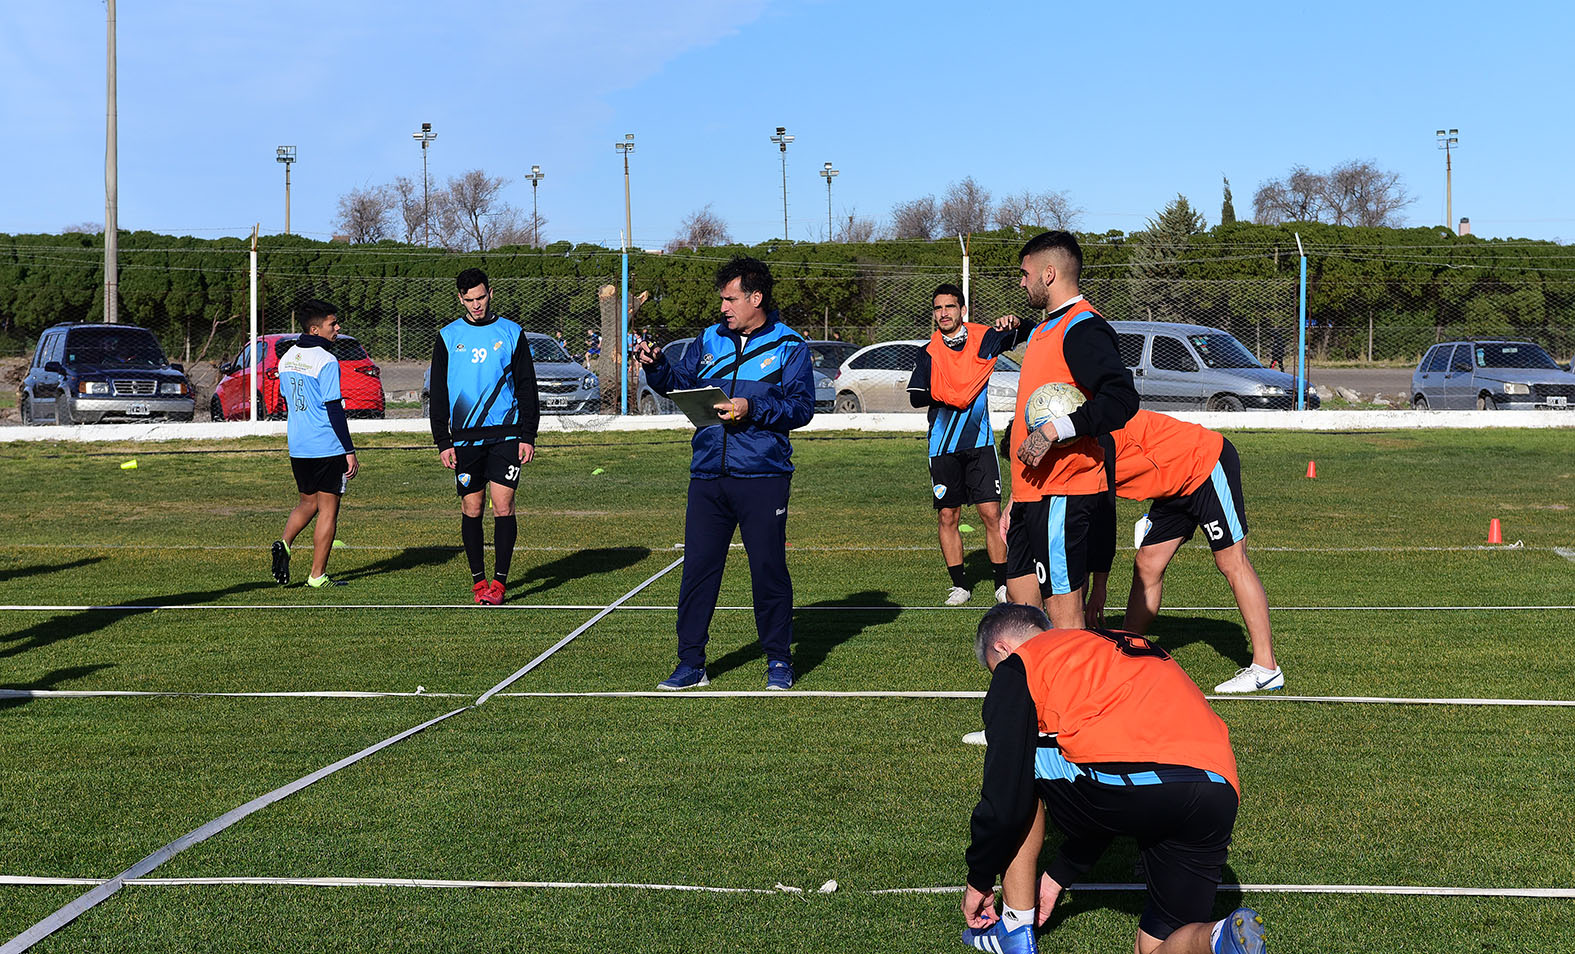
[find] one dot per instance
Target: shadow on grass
(1225, 637)
(1117, 868)
(50, 680)
(410, 558)
(71, 625)
(817, 632)
(555, 573)
(41, 569)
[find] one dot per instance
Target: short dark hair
(1005, 619)
(752, 275)
(949, 289)
(1056, 240)
(312, 312)
(470, 278)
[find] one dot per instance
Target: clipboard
(699, 404)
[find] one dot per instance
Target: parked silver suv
(1490, 374)
(1177, 367)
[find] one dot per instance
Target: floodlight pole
(1301, 331)
(829, 173)
(621, 357)
(286, 155)
(425, 136)
(111, 178)
(535, 177)
(782, 139)
(1446, 140)
(963, 241)
(251, 343)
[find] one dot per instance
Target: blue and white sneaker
(1242, 933)
(779, 674)
(998, 940)
(685, 677)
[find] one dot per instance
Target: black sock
(999, 569)
(470, 534)
(958, 579)
(504, 530)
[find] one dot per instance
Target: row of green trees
(1410, 285)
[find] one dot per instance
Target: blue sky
(1122, 106)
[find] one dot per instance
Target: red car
(360, 381)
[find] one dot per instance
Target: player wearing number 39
(321, 453)
(484, 420)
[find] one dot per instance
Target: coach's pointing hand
(647, 353)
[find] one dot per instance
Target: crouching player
(1104, 733)
(321, 453)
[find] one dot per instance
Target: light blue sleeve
(328, 382)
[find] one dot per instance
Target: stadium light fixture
(1447, 140)
(535, 177)
(829, 173)
(782, 139)
(425, 136)
(626, 146)
(286, 155)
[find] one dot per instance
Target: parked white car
(875, 379)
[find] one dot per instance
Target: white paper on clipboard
(699, 404)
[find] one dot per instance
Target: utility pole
(286, 155)
(535, 177)
(625, 147)
(111, 181)
(620, 347)
(782, 139)
(425, 136)
(1447, 140)
(829, 173)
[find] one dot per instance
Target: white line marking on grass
(803, 548)
(70, 912)
(974, 694)
(1381, 889)
(303, 694)
(1566, 553)
(641, 607)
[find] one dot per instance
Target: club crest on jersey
(767, 361)
(940, 491)
(464, 481)
(460, 346)
(496, 345)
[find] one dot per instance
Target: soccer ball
(1050, 401)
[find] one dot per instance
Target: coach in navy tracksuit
(742, 465)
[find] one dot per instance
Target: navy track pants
(757, 507)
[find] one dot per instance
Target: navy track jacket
(770, 368)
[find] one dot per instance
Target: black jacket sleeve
(1006, 798)
(997, 343)
(524, 371)
(335, 410)
(1095, 363)
(437, 395)
(919, 382)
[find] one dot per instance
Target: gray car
(563, 386)
(825, 357)
(1177, 367)
(1489, 374)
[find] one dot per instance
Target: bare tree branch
(364, 214)
(1036, 211)
(701, 228)
(470, 215)
(855, 230)
(915, 219)
(966, 208)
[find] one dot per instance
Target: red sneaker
(497, 593)
(485, 595)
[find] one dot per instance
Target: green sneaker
(316, 581)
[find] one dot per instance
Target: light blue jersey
(308, 380)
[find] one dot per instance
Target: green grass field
(1378, 576)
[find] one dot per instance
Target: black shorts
(1183, 830)
(476, 465)
(1218, 507)
(1060, 540)
(320, 475)
(965, 477)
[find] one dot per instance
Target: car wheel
(647, 404)
(215, 409)
(847, 403)
(1224, 402)
(63, 415)
(262, 410)
(1419, 403)
(24, 410)
(426, 409)
(1485, 402)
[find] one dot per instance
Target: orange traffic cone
(1312, 469)
(1495, 532)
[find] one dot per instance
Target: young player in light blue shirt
(322, 455)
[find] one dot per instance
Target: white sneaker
(974, 738)
(1254, 678)
(958, 596)
(1000, 594)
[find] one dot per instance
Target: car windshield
(827, 355)
(1220, 350)
(1518, 354)
(548, 351)
(121, 347)
(343, 348)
